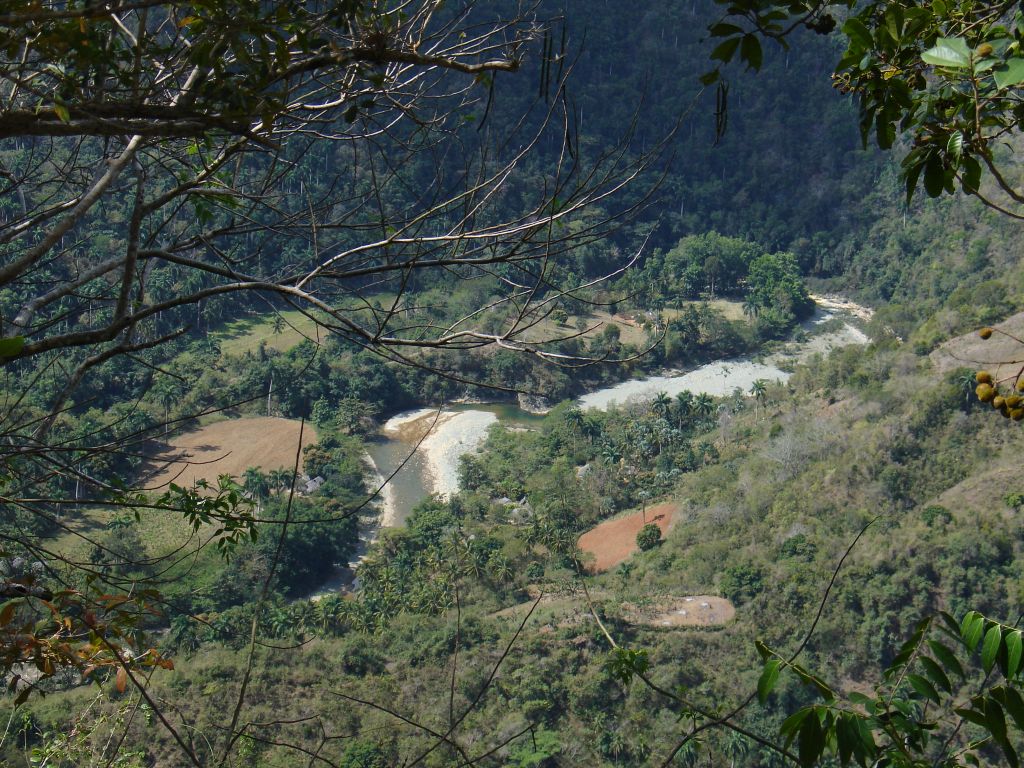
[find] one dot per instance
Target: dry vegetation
(1001, 355)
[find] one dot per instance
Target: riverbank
(440, 436)
(444, 435)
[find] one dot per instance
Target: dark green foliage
(936, 514)
(798, 547)
(363, 754)
(741, 582)
(906, 721)
(649, 537)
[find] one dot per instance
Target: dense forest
(319, 219)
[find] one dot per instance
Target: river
(418, 452)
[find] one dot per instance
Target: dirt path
(613, 541)
(228, 448)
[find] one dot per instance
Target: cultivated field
(228, 448)
(614, 541)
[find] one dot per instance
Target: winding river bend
(418, 452)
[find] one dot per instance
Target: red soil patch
(229, 448)
(614, 540)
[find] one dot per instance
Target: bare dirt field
(694, 611)
(613, 541)
(228, 448)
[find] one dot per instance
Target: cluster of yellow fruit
(1011, 405)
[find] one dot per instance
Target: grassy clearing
(162, 531)
(245, 334)
(730, 310)
(630, 331)
(238, 337)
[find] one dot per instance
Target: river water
(418, 452)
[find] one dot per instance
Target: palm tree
(704, 405)
(168, 392)
(688, 754)
(280, 479)
(644, 497)
(750, 307)
(684, 406)
(759, 389)
(574, 422)
(661, 404)
(255, 483)
(610, 453)
(735, 747)
(182, 635)
(966, 383)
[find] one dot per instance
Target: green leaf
(971, 630)
(912, 174)
(949, 52)
(972, 716)
(791, 725)
(725, 50)
(724, 30)
(858, 33)
(710, 78)
(812, 741)
(856, 697)
(955, 145)
(923, 688)
(1013, 704)
(847, 736)
(971, 175)
(1014, 646)
(769, 677)
(750, 52)
(1009, 74)
(808, 679)
(934, 673)
(885, 132)
(11, 345)
(995, 719)
(953, 626)
(990, 648)
(867, 739)
(934, 182)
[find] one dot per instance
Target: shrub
(741, 583)
(649, 537)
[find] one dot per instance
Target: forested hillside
(363, 211)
